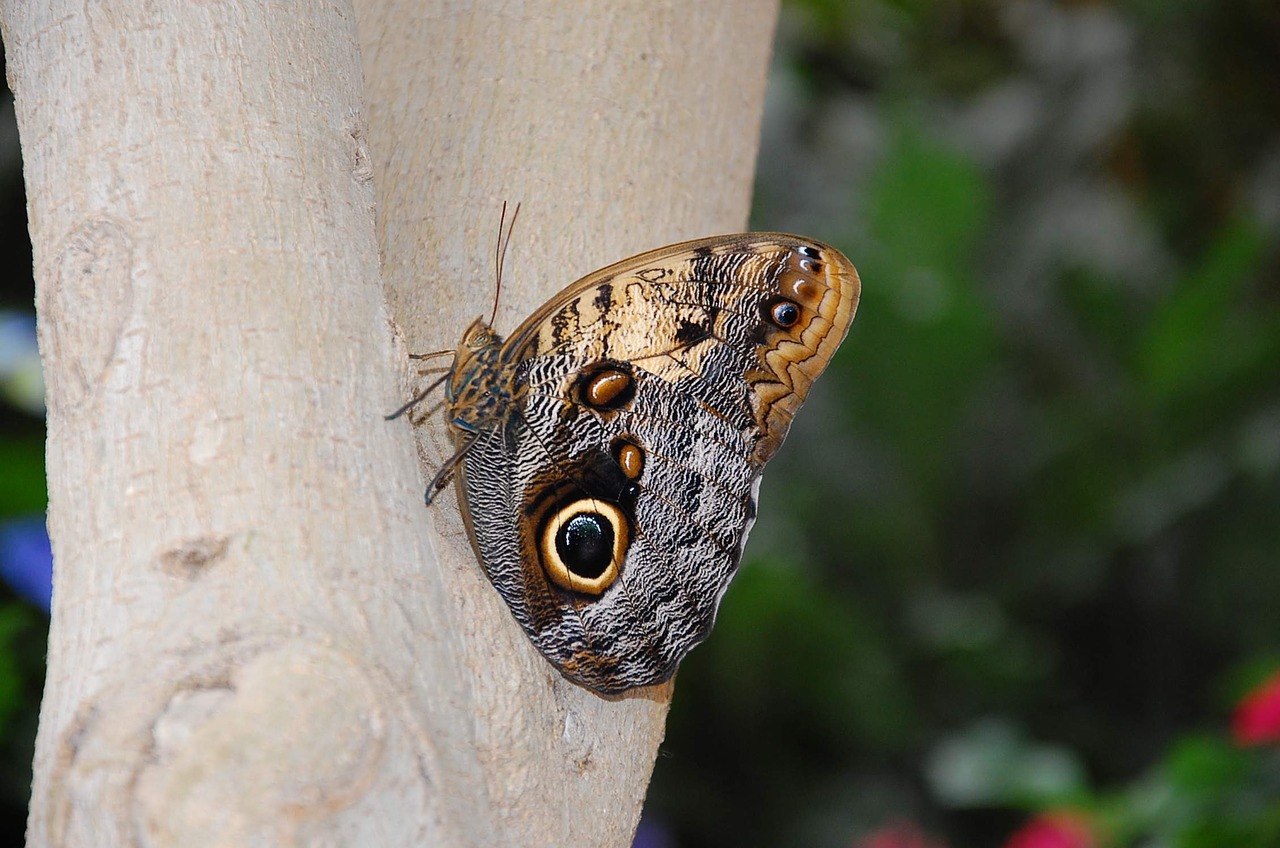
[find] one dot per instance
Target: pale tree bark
(260, 636)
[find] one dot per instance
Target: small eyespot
(806, 250)
(583, 544)
(606, 386)
(784, 313)
(629, 458)
(809, 266)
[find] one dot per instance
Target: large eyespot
(605, 386)
(583, 544)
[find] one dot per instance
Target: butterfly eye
(583, 544)
(478, 339)
(784, 313)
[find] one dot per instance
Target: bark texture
(260, 636)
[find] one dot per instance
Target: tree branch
(260, 636)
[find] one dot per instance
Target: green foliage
(17, 623)
(926, 208)
(22, 488)
(1205, 337)
(1206, 792)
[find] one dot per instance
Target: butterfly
(609, 451)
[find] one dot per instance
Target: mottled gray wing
(611, 503)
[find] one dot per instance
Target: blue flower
(651, 834)
(26, 559)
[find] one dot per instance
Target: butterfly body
(479, 389)
(611, 447)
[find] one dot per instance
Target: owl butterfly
(610, 450)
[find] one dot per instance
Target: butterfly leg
(446, 469)
(419, 398)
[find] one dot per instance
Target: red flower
(1257, 717)
(1054, 830)
(901, 834)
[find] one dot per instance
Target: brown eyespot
(582, 545)
(784, 313)
(606, 385)
(629, 458)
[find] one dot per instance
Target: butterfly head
(476, 392)
(476, 352)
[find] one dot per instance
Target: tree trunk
(260, 636)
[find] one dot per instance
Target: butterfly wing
(611, 503)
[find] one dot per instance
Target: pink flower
(1257, 717)
(900, 834)
(1064, 829)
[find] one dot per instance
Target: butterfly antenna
(500, 254)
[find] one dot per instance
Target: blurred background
(1015, 578)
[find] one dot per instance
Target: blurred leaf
(926, 206)
(1247, 675)
(993, 764)
(784, 638)
(22, 485)
(1200, 764)
(1206, 332)
(16, 622)
(921, 320)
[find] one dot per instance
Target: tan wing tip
(842, 278)
(825, 282)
